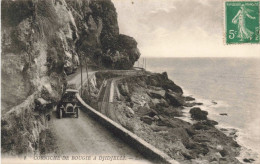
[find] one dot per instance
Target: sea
(223, 85)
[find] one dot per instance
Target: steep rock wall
(99, 37)
(42, 41)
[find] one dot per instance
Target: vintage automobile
(68, 104)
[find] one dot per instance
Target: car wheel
(60, 114)
(77, 113)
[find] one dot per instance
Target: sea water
(233, 83)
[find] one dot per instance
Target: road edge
(130, 138)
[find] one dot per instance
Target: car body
(68, 104)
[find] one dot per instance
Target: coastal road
(106, 98)
(85, 136)
(76, 77)
(108, 91)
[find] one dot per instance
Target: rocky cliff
(42, 41)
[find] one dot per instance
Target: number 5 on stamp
(241, 22)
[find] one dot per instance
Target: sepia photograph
(130, 81)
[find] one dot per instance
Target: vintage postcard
(130, 81)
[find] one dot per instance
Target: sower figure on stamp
(243, 32)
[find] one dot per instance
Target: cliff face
(41, 43)
(98, 34)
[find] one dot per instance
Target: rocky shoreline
(150, 105)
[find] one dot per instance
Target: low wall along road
(144, 148)
(130, 138)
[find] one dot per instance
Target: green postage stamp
(241, 22)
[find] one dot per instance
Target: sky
(179, 28)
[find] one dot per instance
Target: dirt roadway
(85, 136)
(105, 104)
(76, 77)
